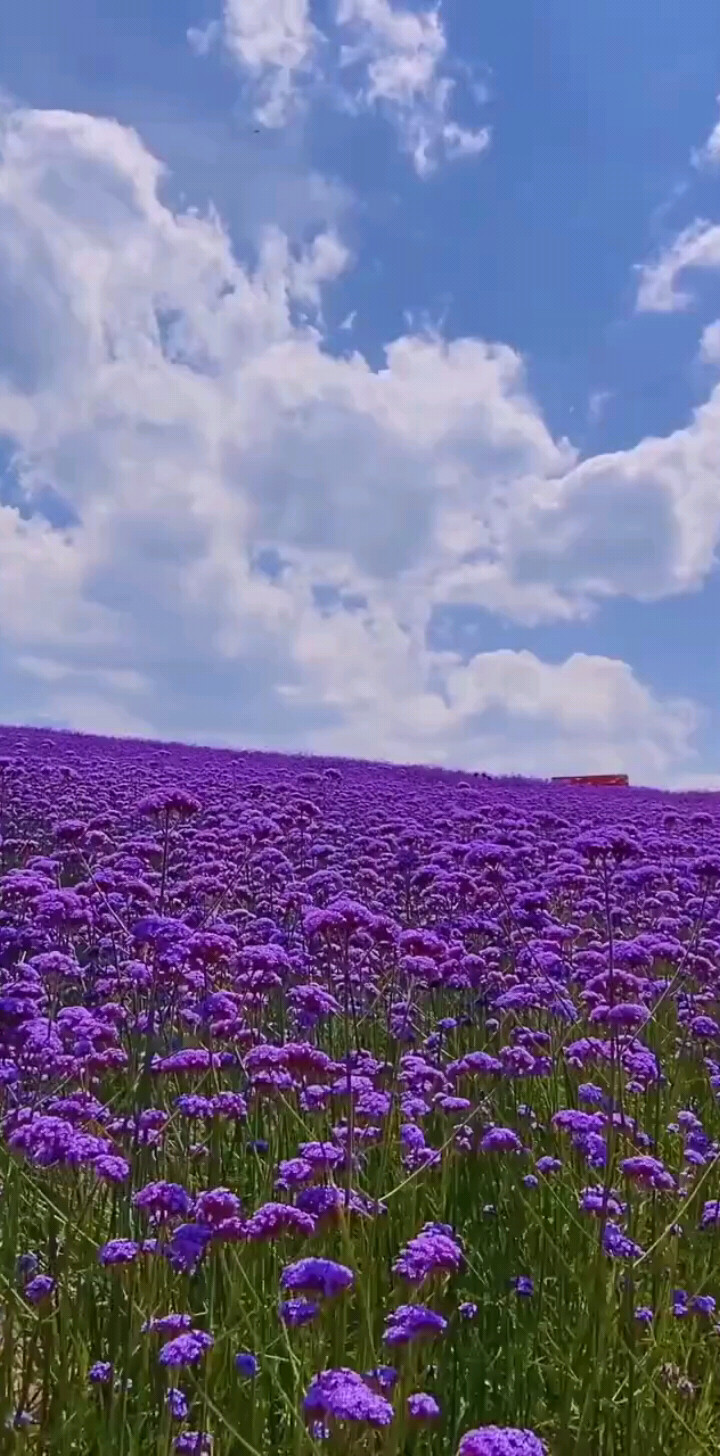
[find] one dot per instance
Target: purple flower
(468, 1310)
(413, 1322)
(26, 1265)
(617, 1244)
(194, 1106)
(601, 1202)
(317, 1276)
(422, 1407)
(39, 1289)
(48, 1140)
(258, 1145)
(705, 1028)
(383, 1377)
(112, 1169)
(216, 1205)
(22, 1419)
(475, 1064)
(324, 1157)
(501, 1441)
(188, 1244)
(246, 1365)
(177, 1404)
(644, 1314)
(452, 1105)
(702, 1304)
(694, 1157)
(433, 1252)
(625, 1014)
(320, 1431)
(500, 1140)
(228, 1231)
(163, 1200)
(293, 1173)
(187, 1349)
(648, 1172)
(100, 1373)
(229, 1105)
(568, 1119)
(274, 1220)
(329, 1203)
(167, 801)
(524, 1286)
(118, 1251)
(167, 1324)
(297, 1312)
(547, 1165)
(342, 1395)
(194, 1442)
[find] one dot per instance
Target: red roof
(604, 781)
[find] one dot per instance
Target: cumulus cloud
(259, 530)
(373, 55)
(502, 711)
(642, 522)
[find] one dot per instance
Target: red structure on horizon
(600, 781)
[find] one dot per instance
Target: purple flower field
(353, 1109)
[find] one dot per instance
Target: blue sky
(358, 382)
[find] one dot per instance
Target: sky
(360, 379)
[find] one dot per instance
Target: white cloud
(712, 146)
(581, 695)
(90, 713)
(402, 49)
(696, 248)
(597, 404)
(709, 153)
(51, 670)
(644, 522)
(503, 711)
(274, 44)
(190, 418)
(41, 580)
(323, 262)
(697, 783)
(390, 58)
(401, 56)
(710, 343)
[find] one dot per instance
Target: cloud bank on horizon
(243, 486)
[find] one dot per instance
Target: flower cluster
(435, 1251)
(342, 1395)
(266, 1024)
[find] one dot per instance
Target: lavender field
(353, 1109)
